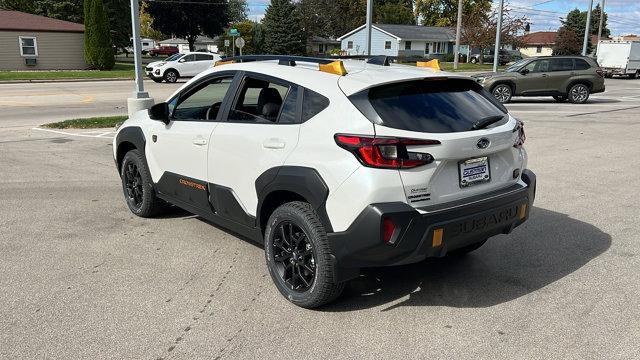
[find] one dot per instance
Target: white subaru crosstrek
(180, 65)
(332, 166)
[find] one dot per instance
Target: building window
(407, 45)
(349, 44)
(538, 49)
(28, 46)
(387, 45)
(439, 47)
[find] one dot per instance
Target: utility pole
(456, 49)
(586, 30)
(600, 22)
(140, 99)
(496, 52)
(368, 25)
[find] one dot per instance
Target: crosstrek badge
(418, 194)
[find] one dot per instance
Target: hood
(156, 63)
(487, 74)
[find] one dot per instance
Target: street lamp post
(140, 99)
(368, 25)
(586, 30)
(600, 22)
(496, 52)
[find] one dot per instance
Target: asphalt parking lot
(81, 277)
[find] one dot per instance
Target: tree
(245, 28)
(190, 20)
(18, 5)
(576, 20)
(445, 12)
(238, 10)
(479, 29)
(257, 37)
(98, 50)
(119, 12)
(394, 13)
(284, 32)
(331, 18)
(146, 30)
(567, 42)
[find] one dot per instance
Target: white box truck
(619, 58)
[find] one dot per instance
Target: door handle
(273, 143)
(199, 141)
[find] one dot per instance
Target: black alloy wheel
(133, 185)
(293, 256)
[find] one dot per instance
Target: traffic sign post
(240, 44)
(233, 32)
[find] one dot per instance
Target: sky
(543, 14)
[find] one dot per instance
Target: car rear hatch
(466, 136)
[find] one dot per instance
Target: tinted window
(561, 64)
(187, 58)
(538, 66)
(258, 101)
(289, 108)
(312, 104)
(202, 102)
(434, 106)
(201, 57)
(581, 64)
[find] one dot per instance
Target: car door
(179, 149)
(188, 65)
(561, 72)
(203, 62)
(534, 77)
(260, 131)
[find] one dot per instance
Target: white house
(202, 43)
(401, 40)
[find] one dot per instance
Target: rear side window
(561, 64)
(203, 57)
(434, 106)
(312, 104)
(581, 64)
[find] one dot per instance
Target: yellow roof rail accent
(336, 67)
(222, 62)
(432, 64)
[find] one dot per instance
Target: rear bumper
(461, 224)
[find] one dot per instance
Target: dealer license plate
(474, 171)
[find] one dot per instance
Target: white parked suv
(180, 65)
(332, 166)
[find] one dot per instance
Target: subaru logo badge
(483, 143)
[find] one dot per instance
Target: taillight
(388, 153)
(521, 136)
(600, 72)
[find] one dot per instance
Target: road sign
(227, 43)
(240, 42)
(234, 32)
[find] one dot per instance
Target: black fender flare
(130, 135)
(304, 181)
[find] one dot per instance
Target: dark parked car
(565, 78)
(164, 51)
(487, 57)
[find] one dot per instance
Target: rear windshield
(434, 106)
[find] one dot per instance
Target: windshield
(515, 66)
(173, 57)
(434, 106)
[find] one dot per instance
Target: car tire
(298, 256)
(171, 76)
(467, 249)
(502, 93)
(578, 94)
(137, 186)
(474, 60)
(634, 75)
(560, 98)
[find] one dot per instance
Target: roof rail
(283, 59)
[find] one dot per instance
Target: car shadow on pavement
(550, 100)
(545, 249)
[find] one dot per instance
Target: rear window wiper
(486, 121)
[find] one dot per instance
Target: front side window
(28, 46)
(538, 66)
(260, 101)
(189, 58)
(201, 102)
(387, 45)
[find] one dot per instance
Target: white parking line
(102, 135)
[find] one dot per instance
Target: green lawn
(448, 66)
(119, 71)
(88, 123)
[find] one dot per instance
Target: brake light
(521, 135)
(387, 153)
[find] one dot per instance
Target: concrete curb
(36, 81)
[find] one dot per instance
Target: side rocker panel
(300, 180)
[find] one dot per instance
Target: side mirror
(182, 60)
(160, 112)
(524, 71)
